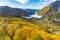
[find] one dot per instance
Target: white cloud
(23, 1)
(2, 4)
(36, 15)
(20, 7)
(52, 0)
(45, 3)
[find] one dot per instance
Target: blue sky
(26, 4)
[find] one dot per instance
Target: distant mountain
(31, 11)
(15, 12)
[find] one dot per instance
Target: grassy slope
(44, 10)
(47, 22)
(12, 28)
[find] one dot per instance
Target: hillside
(53, 7)
(7, 11)
(12, 28)
(52, 11)
(15, 12)
(51, 18)
(44, 10)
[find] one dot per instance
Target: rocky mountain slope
(51, 12)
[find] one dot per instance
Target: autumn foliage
(19, 29)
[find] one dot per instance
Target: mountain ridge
(15, 12)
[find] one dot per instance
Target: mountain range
(16, 12)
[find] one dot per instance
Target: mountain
(53, 7)
(15, 12)
(52, 12)
(32, 11)
(51, 18)
(13, 28)
(55, 12)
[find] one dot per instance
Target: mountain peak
(4, 6)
